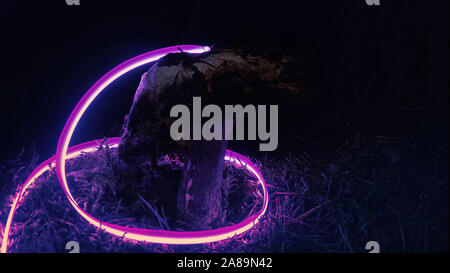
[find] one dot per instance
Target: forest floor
(388, 185)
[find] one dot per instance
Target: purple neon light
(64, 152)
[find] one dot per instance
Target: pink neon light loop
(64, 152)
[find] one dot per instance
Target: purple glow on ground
(64, 152)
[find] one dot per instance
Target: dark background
(364, 60)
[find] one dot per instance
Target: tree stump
(221, 77)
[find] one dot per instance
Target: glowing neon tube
(64, 152)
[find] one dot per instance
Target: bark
(200, 191)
